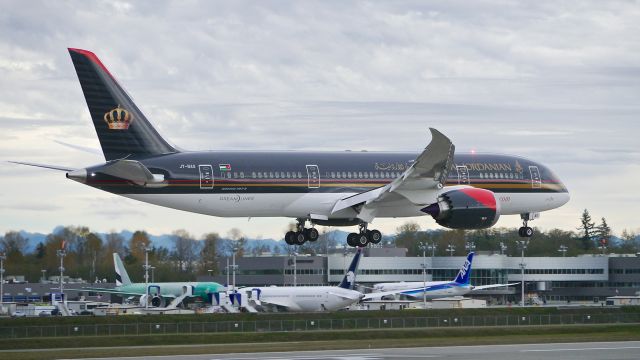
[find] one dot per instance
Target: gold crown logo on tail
(118, 118)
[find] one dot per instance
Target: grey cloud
(553, 81)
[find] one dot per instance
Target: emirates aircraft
(469, 191)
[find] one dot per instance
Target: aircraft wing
(484, 287)
(116, 291)
(407, 292)
(428, 172)
(344, 296)
(281, 302)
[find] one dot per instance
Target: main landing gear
(301, 235)
(364, 237)
(525, 230)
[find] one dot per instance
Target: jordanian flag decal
(225, 167)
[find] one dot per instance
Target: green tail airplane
(160, 293)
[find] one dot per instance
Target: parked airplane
(467, 191)
(312, 298)
(433, 289)
(161, 294)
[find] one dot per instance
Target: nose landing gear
(525, 230)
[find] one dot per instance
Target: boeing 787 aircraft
(467, 191)
(433, 289)
(312, 298)
(160, 294)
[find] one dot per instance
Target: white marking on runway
(583, 349)
(330, 357)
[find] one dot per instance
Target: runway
(581, 351)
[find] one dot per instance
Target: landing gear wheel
(525, 231)
(312, 234)
(289, 238)
(300, 238)
(361, 240)
(374, 236)
(351, 239)
(528, 232)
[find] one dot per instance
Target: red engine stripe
(485, 197)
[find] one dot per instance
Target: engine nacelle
(153, 300)
(465, 208)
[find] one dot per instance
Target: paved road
(566, 351)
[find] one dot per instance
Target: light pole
(61, 254)
(227, 271)
(423, 247)
(2, 257)
(470, 246)
(345, 251)
(503, 248)
(210, 271)
(234, 267)
(295, 268)
(146, 275)
(451, 249)
(432, 247)
(563, 249)
(523, 246)
(152, 271)
(44, 276)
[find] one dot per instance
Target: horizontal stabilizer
(52, 167)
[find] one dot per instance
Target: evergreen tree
(587, 229)
(603, 232)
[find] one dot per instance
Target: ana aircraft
(469, 191)
(161, 294)
(312, 298)
(433, 289)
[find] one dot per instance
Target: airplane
(161, 294)
(433, 289)
(331, 188)
(312, 298)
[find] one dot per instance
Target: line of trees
(588, 238)
(89, 254)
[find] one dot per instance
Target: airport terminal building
(589, 278)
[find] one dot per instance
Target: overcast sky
(557, 82)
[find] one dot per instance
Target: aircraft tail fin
(465, 271)
(122, 277)
(122, 128)
(349, 279)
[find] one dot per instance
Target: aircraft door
(536, 181)
(463, 175)
(206, 177)
(314, 176)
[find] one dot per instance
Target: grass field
(255, 342)
(90, 320)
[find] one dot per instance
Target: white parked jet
(311, 298)
(433, 289)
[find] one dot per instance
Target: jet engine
(153, 300)
(465, 208)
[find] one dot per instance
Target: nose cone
(563, 198)
(79, 175)
(561, 193)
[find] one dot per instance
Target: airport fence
(265, 326)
